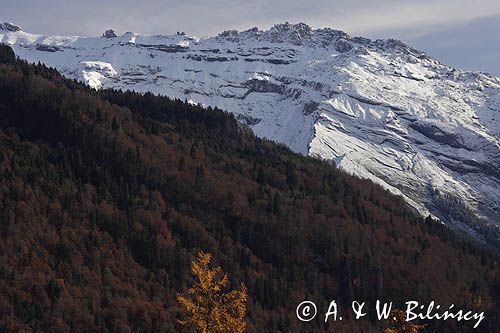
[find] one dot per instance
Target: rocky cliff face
(380, 109)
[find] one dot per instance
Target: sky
(462, 33)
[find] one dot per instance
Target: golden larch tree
(209, 306)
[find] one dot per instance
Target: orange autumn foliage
(210, 309)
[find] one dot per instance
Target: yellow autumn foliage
(209, 307)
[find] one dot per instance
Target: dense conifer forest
(106, 197)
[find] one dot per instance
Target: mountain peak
(294, 33)
(110, 33)
(300, 34)
(300, 28)
(7, 26)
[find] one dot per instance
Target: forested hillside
(106, 197)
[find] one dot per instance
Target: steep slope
(380, 109)
(105, 197)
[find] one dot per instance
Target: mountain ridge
(380, 109)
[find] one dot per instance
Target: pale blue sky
(463, 33)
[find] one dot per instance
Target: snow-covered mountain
(380, 109)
